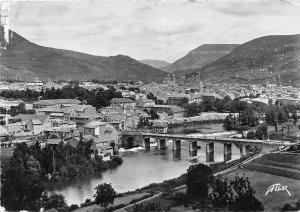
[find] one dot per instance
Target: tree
(262, 131)
(193, 109)
(251, 135)
(295, 116)
(272, 117)
(244, 198)
(20, 179)
(198, 179)
(20, 191)
(292, 206)
(228, 123)
(54, 200)
(234, 195)
(105, 195)
(183, 101)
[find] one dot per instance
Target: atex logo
(277, 187)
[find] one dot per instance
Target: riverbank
(155, 189)
(142, 167)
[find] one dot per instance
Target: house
(82, 119)
(177, 99)
(12, 128)
(172, 111)
(38, 126)
(145, 103)
(62, 132)
(160, 127)
(53, 141)
(35, 123)
(103, 130)
(122, 102)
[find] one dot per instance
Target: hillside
(155, 63)
(199, 57)
(26, 60)
(259, 60)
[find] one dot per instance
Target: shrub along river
(141, 167)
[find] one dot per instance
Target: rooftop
(121, 100)
(94, 124)
(57, 101)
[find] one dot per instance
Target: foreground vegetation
(25, 174)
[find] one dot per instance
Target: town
(102, 116)
(149, 106)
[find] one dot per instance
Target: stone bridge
(244, 145)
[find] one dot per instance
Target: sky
(150, 29)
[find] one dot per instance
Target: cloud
(150, 29)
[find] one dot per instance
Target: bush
(294, 206)
(251, 135)
(198, 178)
(73, 207)
(181, 198)
(147, 207)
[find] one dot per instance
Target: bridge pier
(210, 152)
(161, 144)
(193, 148)
(147, 143)
(227, 152)
(176, 145)
(177, 154)
(245, 149)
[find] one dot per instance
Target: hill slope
(26, 60)
(155, 63)
(199, 57)
(258, 60)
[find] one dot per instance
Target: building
(38, 126)
(172, 111)
(177, 99)
(62, 132)
(103, 134)
(160, 127)
(55, 103)
(103, 130)
(122, 102)
(145, 103)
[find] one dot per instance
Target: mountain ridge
(155, 63)
(24, 59)
(258, 60)
(200, 56)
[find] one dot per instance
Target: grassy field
(261, 181)
(286, 165)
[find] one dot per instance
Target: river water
(140, 168)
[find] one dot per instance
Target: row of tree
(15, 110)
(98, 97)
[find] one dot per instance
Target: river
(140, 168)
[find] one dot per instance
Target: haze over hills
(199, 57)
(26, 60)
(259, 60)
(155, 63)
